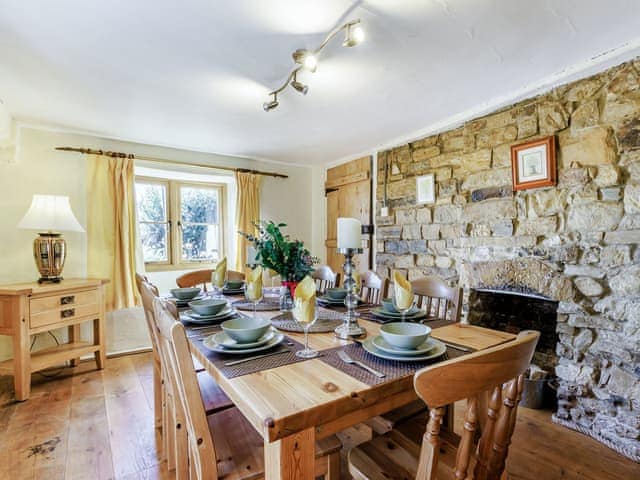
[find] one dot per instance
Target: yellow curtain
(247, 212)
(111, 228)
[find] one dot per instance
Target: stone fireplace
(512, 311)
(575, 246)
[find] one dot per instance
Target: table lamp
(50, 214)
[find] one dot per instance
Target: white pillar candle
(349, 233)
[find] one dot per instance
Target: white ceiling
(193, 74)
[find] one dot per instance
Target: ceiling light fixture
(308, 60)
(272, 104)
(299, 86)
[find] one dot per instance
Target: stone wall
(586, 231)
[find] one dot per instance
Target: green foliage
(276, 251)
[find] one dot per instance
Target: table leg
(291, 458)
(22, 354)
(74, 336)
(98, 339)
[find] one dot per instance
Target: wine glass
(253, 292)
(305, 319)
(402, 305)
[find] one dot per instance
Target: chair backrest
(325, 278)
(149, 293)
(498, 370)
(437, 298)
(202, 277)
(374, 288)
(182, 376)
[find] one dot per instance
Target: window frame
(166, 184)
(174, 213)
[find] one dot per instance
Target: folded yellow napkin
(254, 284)
(402, 291)
(220, 273)
(304, 302)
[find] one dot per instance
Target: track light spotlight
(308, 59)
(305, 58)
(299, 86)
(267, 106)
(353, 36)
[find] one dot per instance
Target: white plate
(221, 338)
(381, 344)
(439, 349)
(214, 346)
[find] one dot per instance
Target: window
(180, 223)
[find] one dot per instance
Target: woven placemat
(327, 321)
(252, 366)
(391, 368)
(262, 306)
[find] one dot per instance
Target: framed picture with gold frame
(533, 164)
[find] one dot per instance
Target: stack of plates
(193, 317)
(414, 314)
(232, 291)
(429, 349)
(222, 343)
(185, 303)
(327, 300)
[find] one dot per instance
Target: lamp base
(50, 279)
(49, 253)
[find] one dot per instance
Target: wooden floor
(88, 425)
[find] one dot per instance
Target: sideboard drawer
(60, 308)
(56, 302)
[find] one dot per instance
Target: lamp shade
(50, 213)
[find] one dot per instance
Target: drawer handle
(67, 300)
(69, 312)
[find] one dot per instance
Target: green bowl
(234, 284)
(404, 334)
(185, 293)
(337, 293)
(246, 329)
(208, 306)
(387, 304)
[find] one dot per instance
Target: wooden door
(348, 192)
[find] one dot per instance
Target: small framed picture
(533, 164)
(426, 189)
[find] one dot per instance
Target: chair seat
(240, 449)
(213, 397)
(394, 455)
(386, 422)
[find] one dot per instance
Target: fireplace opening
(513, 312)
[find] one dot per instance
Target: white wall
(38, 168)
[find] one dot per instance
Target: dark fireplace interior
(515, 311)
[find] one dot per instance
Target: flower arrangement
(289, 258)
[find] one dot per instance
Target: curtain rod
(163, 160)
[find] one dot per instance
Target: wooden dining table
(294, 405)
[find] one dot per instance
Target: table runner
(327, 321)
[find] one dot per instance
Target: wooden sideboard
(30, 308)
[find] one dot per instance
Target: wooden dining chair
(325, 278)
(374, 288)
(203, 277)
(438, 299)
(401, 454)
(213, 397)
(225, 444)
